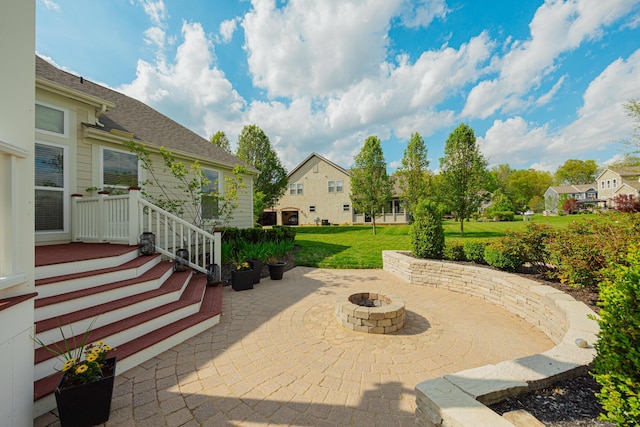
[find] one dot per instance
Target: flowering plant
(82, 363)
(243, 266)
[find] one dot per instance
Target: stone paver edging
(459, 399)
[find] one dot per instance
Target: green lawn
(357, 247)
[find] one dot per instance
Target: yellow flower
(68, 365)
(101, 343)
(81, 369)
(108, 348)
(92, 357)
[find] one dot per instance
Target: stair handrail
(171, 228)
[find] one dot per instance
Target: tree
(254, 148)
(626, 203)
(633, 111)
(190, 193)
(525, 184)
(570, 206)
(414, 174)
(220, 139)
(464, 171)
(499, 178)
(574, 172)
(426, 233)
(370, 184)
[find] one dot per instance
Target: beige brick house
(319, 192)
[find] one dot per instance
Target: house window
(50, 187)
(615, 183)
(346, 208)
(119, 169)
(332, 187)
(602, 185)
(608, 184)
(389, 207)
(292, 189)
(591, 195)
(210, 193)
(338, 186)
(299, 188)
(51, 120)
(398, 207)
(335, 186)
(312, 208)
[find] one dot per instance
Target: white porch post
(134, 218)
(217, 251)
(75, 221)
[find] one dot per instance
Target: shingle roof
(134, 117)
(578, 188)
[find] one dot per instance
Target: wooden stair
(137, 304)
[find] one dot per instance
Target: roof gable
(320, 158)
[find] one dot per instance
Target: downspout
(103, 110)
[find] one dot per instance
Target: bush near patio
(427, 233)
(257, 243)
(617, 363)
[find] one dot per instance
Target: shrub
(427, 233)
(534, 244)
(474, 251)
(617, 363)
(503, 216)
(504, 253)
(453, 251)
(584, 248)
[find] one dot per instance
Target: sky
(540, 82)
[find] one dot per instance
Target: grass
(357, 247)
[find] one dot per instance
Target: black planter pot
(242, 280)
(276, 270)
(256, 266)
(86, 404)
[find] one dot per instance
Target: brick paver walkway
(279, 357)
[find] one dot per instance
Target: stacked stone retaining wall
(459, 399)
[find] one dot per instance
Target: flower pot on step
(241, 280)
(86, 404)
(276, 270)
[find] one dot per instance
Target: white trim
(13, 150)
(64, 190)
(65, 113)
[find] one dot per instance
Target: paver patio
(280, 357)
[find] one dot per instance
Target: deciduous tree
(370, 184)
(220, 139)
(574, 172)
(255, 148)
(464, 172)
(414, 174)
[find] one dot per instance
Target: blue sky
(539, 81)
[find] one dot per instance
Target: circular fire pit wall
(370, 312)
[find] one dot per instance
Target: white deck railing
(122, 219)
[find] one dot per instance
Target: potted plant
(276, 269)
(83, 395)
(242, 277)
(256, 266)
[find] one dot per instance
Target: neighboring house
(81, 132)
(319, 192)
(619, 181)
(17, 289)
(583, 193)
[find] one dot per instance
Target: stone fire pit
(371, 312)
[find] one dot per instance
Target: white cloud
(315, 48)
(155, 10)
(51, 5)
(421, 13)
(601, 122)
(547, 97)
(557, 27)
(155, 36)
(190, 91)
(227, 28)
(513, 141)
